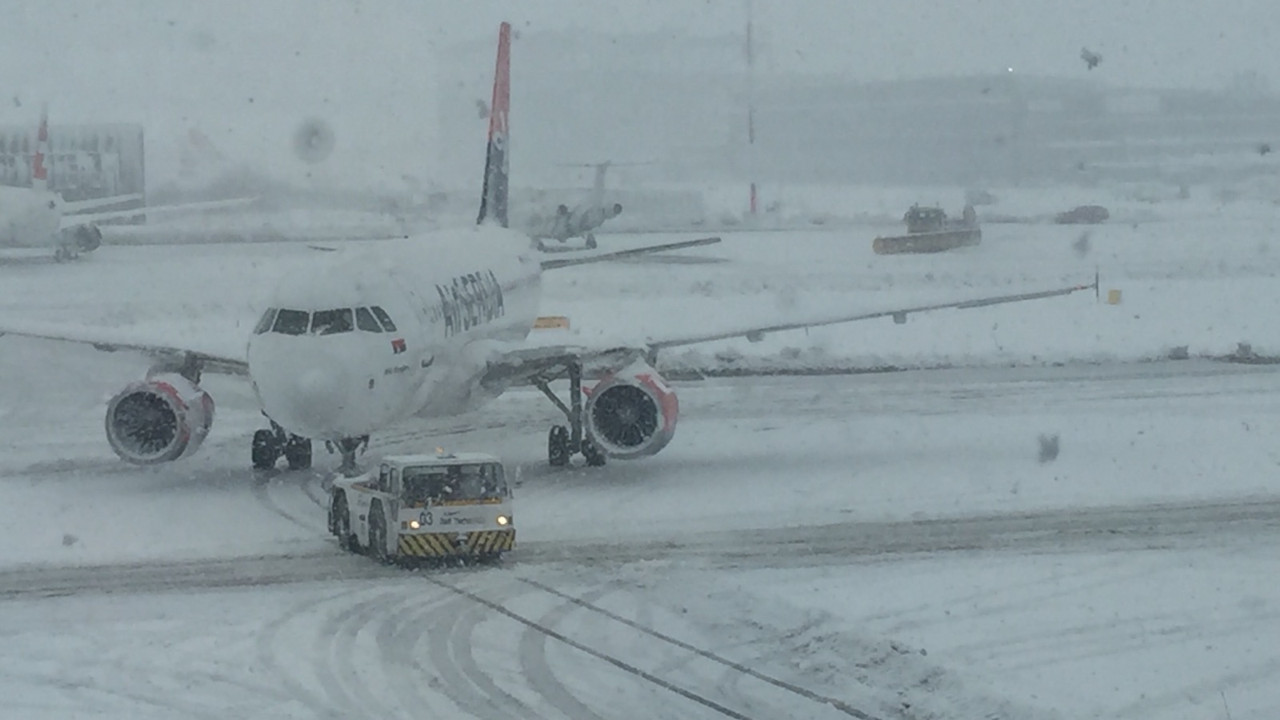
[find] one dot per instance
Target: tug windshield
(478, 482)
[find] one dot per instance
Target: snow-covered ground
(874, 545)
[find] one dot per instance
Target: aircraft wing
(211, 356)
(546, 356)
(84, 206)
(70, 220)
(756, 333)
(556, 263)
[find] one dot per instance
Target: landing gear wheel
(266, 450)
(558, 446)
(297, 451)
(340, 522)
(591, 453)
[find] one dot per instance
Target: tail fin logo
(493, 200)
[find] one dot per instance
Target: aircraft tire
(558, 446)
(591, 453)
(297, 451)
(265, 450)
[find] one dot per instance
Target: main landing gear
(348, 447)
(563, 442)
(64, 254)
(270, 444)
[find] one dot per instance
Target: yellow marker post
(1113, 297)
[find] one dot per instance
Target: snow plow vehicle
(929, 230)
(440, 507)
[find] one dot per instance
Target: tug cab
(426, 507)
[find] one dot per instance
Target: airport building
(85, 161)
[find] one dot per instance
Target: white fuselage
(454, 297)
(29, 218)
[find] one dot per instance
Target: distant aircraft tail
(597, 189)
(493, 200)
(40, 173)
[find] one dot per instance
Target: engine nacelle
(160, 419)
(632, 413)
(85, 238)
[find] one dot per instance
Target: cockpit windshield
(325, 322)
(384, 318)
(365, 320)
(291, 322)
(264, 324)
(331, 322)
(480, 482)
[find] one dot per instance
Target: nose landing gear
(348, 447)
(270, 444)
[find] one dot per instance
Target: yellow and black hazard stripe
(428, 545)
(481, 542)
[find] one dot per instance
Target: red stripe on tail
(501, 85)
(493, 200)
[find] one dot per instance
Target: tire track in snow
(736, 667)
(532, 651)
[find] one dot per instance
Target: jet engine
(631, 413)
(160, 419)
(85, 238)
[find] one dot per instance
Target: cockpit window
(331, 322)
(291, 322)
(384, 318)
(264, 324)
(365, 320)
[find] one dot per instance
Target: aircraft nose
(319, 395)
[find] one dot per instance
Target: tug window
(365, 321)
(291, 322)
(331, 322)
(383, 318)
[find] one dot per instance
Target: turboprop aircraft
(581, 220)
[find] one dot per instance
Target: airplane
(582, 219)
(428, 326)
(37, 217)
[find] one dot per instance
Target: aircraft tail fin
(40, 173)
(493, 200)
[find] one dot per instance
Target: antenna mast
(751, 111)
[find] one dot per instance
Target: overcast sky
(248, 71)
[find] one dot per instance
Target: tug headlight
(504, 520)
(414, 524)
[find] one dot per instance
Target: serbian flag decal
(398, 346)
